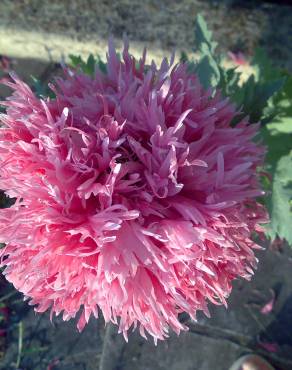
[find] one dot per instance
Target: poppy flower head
(134, 195)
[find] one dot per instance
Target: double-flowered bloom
(134, 195)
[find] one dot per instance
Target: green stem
(113, 346)
(20, 344)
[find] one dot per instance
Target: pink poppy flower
(134, 195)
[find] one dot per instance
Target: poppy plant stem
(113, 346)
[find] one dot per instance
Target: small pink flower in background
(269, 347)
(134, 194)
(269, 306)
(5, 63)
(238, 58)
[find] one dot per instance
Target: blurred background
(35, 33)
(35, 36)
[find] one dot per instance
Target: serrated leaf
(91, 63)
(203, 34)
(76, 61)
(229, 81)
(269, 88)
(264, 70)
(281, 103)
(253, 96)
(89, 66)
(280, 204)
(278, 145)
(208, 72)
(208, 66)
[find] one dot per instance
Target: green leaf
(264, 70)
(91, 62)
(229, 81)
(278, 145)
(183, 57)
(280, 203)
(208, 66)
(101, 65)
(208, 72)
(76, 61)
(279, 164)
(41, 90)
(89, 66)
(253, 96)
(281, 103)
(203, 35)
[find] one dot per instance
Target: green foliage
(267, 82)
(88, 66)
(40, 89)
(254, 94)
(208, 67)
(266, 97)
(280, 201)
(279, 109)
(277, 135)
(204, 35)
(208, 71)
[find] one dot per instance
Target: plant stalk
(113, 347)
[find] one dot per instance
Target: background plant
(266, 97)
